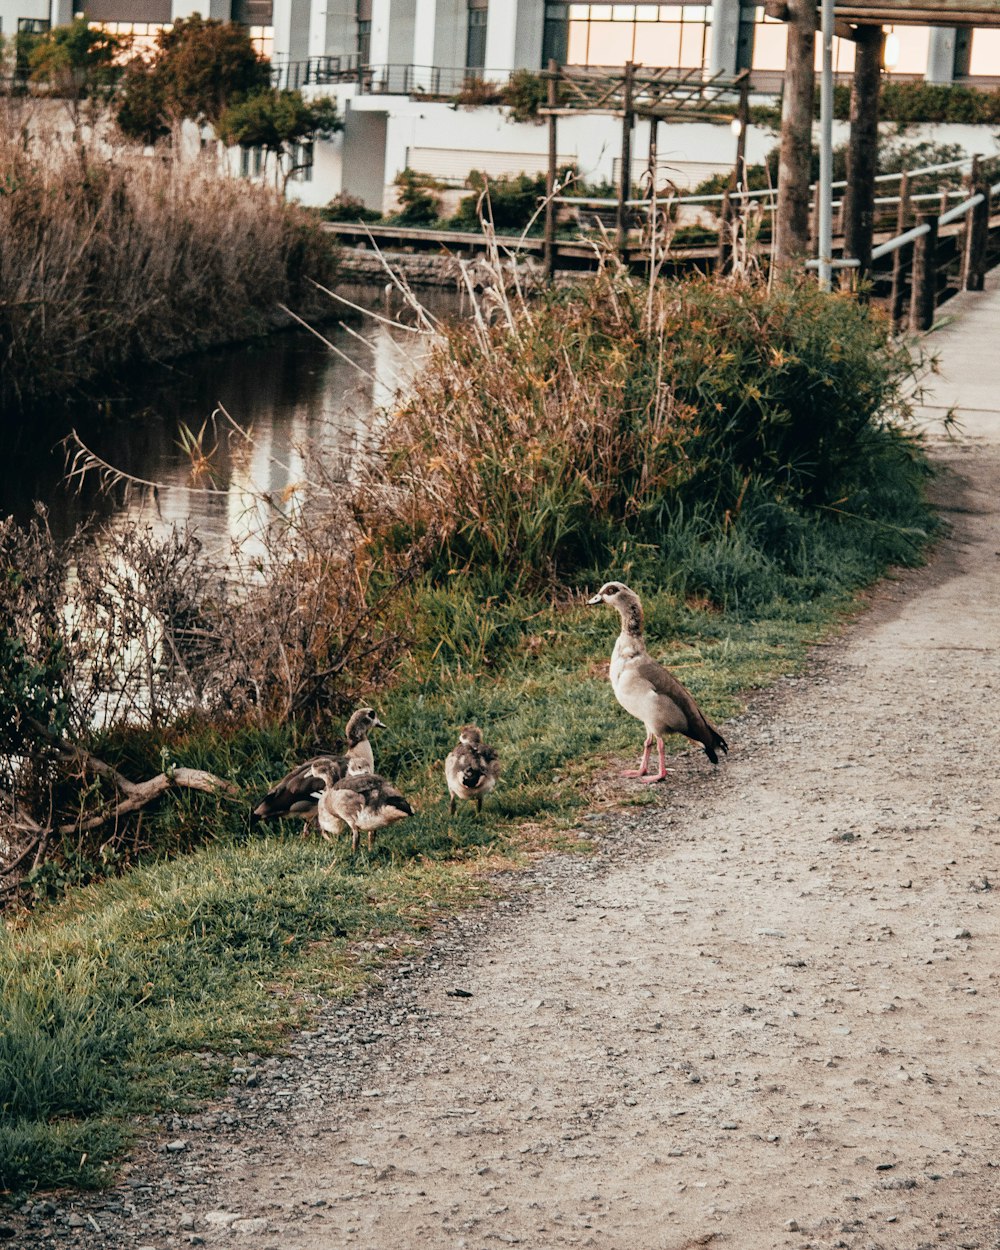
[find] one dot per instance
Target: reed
(108, 258)
(534, 445)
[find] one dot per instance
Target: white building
(392, 63)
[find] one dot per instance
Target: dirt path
(763, 1015)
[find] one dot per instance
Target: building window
(33, 25)
(262, 39)
(984, 57)
(555, 34)
(302, 162)
(138, 36)
(364, 42)
(251, 162)
(907, 49)
(475, 44)
(669, 35)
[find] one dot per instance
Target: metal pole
(825, 188)
(625, 182)
(550, 176)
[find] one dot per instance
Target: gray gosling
(363, 801)
(650, 693)
(295, 794)
(471, 769)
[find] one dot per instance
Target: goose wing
(668, 705)
(293, 794)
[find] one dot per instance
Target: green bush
(345, 207)
(419, 206)
(582, 426)
(906, 102)
(513, 201)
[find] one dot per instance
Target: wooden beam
(946, 13)
(862, 150)
(792, 218)
(940, 13)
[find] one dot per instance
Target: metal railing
(315, 71)
(481, 85)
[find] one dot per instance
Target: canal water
(290, 391)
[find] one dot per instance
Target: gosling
(650, 693)
(471, 769)
(362, 801)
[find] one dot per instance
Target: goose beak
(596, 599)
(379, 724)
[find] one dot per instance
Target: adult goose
(646, 690)
(295, 794)
(471, 769)
(362, 800)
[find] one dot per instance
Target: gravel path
(764, 1014)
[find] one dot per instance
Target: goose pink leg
(663, 771)
(643, 763)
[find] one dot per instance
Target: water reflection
(290, 391)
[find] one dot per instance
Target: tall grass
(534, 447)
(108, 258)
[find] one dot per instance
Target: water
(290, 390)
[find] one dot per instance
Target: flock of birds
(344, 790)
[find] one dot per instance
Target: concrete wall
(11, 10)
(364, 163)
(381, 131)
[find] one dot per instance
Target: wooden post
(924, 280)
(725, 253)
(862, 151)
(903, 222)
(654, 125)
(625, 181)
(792, 219)
(549, 251)
(743, 117)
(976, 238)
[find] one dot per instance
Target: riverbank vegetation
(108, 258)
(738, 453)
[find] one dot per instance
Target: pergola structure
(630, 92)
(862, 21)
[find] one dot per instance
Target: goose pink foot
(643, 763)
(651, 780)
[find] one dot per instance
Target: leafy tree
(199, 68)
(276, 120)
(75, 60)
(418, 205)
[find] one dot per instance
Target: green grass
(114, 995)
(747, 501)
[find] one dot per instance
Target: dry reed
(108, 258)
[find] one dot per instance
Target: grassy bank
(733, 453)
(108, 259)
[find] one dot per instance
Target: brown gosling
(471, 769)
(650, 693)
(362, 800)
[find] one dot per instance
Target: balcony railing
(430, 80)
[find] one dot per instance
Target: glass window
(770, 38)
(907, 48)
(668, 35)
(985, 56)
(475, 46)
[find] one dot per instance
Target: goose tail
(714, 743)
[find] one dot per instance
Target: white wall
(592, 142)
